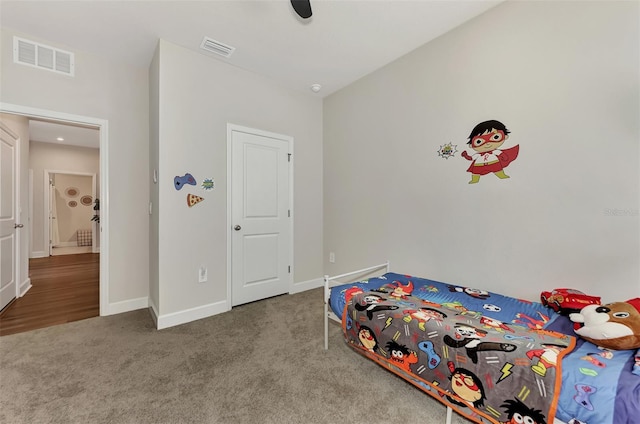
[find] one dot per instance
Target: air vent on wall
(41, 56)
(216, 47)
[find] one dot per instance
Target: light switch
(202, 275)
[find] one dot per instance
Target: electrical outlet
(202, 274)
(332, 257)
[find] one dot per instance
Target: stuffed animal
(613, 326)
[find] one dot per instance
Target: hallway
(64, 289)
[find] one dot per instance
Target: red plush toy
(613, 326)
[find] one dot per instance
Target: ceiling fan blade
(302, 8)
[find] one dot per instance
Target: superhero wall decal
(487, 156)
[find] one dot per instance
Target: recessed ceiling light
(60, 139)
(315, 87)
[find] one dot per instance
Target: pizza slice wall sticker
(192, 199)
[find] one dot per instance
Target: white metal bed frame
(330, 282)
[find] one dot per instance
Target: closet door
(261, 224)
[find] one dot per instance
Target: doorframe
(102, 125)
(47, 221)
(234, 127)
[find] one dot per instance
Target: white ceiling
(343, 41)
(49, 132)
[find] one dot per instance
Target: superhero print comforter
(492, 358)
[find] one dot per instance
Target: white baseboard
(193, 314)
(153, 310)
(25, 286)
(188, 315)
(127, 306)
(38, 254)
(66, 244)
(306, 285)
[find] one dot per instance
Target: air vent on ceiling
(216, 47)
(41, 56)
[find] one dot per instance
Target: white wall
(563, 78)
(55, 157)
(118, 93)
(196, 97)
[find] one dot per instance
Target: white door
(260, 215)
(8, 225)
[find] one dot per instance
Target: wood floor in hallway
(64, 289)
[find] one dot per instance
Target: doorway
(71, 212)
(261, 201)
(60, 221)
(102, 228)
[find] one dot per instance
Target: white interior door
(260, 211)
(8, 225)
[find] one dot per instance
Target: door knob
(237, 228)
(18, 225)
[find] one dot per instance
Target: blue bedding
(463, 300)
(598, 386)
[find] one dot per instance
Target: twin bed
(489, 357)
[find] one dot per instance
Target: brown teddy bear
(613, 326)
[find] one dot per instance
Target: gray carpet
(259, 363)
